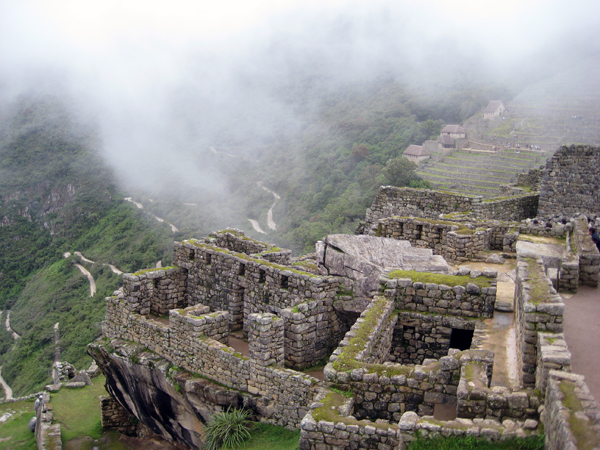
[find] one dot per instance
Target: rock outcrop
(168, 401)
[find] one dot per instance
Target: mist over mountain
(167, 84)
(213, 116)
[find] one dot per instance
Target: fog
(165, 85)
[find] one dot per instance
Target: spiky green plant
(227, 429)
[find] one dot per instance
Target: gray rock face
(363, 258)
(148, 391)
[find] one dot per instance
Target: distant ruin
(396, 328)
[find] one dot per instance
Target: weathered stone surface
(363, 258)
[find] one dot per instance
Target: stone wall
(476, 399)
(469, 293)
(552, 354)
(236, 241)
(589, 257)
(419, 336)
(532, 178)
(571, 182)
(571, 416)
(393, 201)
(537, 308)
(47, 435)
(450, 240)
(244, 285)
(155, 291)
(385, 391)
(114, 416)
(326, 427)
(185, 342)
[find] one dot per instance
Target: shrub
(227, 429)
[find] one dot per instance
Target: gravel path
(89, 277)
(8, 394)
(582, 333)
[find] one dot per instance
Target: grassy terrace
(467, 181)
(464, 167)
(448, 280)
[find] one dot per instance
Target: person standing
(595, 237)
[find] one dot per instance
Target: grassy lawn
(15, 433)
(472, 443)
(78, 410)
(265, 436)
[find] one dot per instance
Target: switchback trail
(256, 226)
(89, 277)
(14, 334)
(270, 222)
(8, 394)
(174, 229)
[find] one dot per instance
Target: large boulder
(363, 258)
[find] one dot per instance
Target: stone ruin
(400, 331)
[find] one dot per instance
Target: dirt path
(582, 333)
(89, 277)
(174, 229)
(114, 269)
(270, 222)
(83, 258)
(15, 335)
(55, 378)
(8, 394)
(256, 226)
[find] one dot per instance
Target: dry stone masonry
(571, 182)
(400, 330)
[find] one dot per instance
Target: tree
(400, 172)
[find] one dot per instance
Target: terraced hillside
(559, 110)
(480, 172)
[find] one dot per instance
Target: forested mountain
(57, 196)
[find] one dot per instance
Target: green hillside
(58, 196)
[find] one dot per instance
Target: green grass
(473, 443)
(78, 410)
(449, 280)
(265, 436)
(16, 427)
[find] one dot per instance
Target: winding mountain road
(8, 393)
(174, 229)
(256, 226)
(89, 277)
(270, 222)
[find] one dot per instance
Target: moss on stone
(587, 438)
(155, 269)
(249, 258)
(438, 278)
(329, 412)
(540, 292)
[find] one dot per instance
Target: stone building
(495, 108)
(416, 153)
(454, 131)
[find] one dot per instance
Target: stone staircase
(482, 173)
